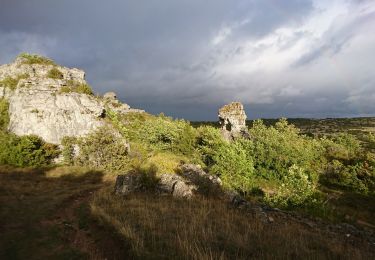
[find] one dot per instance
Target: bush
(296, 189)
(163, 133)
(35, 59)
(12, 83)
(233, 163)
(348, 165)
(103, 149)
(55, 73)
(208, 142)
(343, 146)
(278, 148)
(4, 114)
(157, 132)
(26, 150)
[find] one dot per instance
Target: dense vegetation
(22, 150)
(278, 166)
(282, 165)
(285, 166)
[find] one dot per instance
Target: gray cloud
(187, 58)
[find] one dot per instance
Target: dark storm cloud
(186, 58)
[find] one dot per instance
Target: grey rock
(37, 106)
(110, 95)
(127, 184)
(206, 184)
(192, 180)
(176, 185)
(232, 118)
(53, 117)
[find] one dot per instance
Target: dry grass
(167, 228)
(48, 214)
(30, 202)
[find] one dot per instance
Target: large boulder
(176, 186)
(232, 118)
(207, 184)
(191, 180)
(128, 183)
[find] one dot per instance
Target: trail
(82, 232)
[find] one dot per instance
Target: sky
(187, 58)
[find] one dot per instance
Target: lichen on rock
(232, 118)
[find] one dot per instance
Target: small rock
(110, 95)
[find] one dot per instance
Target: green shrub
(296, 189)
(12, 83)
(103, 149)
(73, 86)
(157, 132)
(208, 142)
(233, 163)
(278, 148)
(166, 134)
(343, 146)
(26, 150)
(4, 114)
(348, 165)
(68, 151)
(35, 59)
(55, 73)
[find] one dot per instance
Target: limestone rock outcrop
(48, 106)
(111, 102)
(232, 118)
(190, 181)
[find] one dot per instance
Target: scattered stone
(232, 118)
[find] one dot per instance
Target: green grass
(11, 83)
(35, 59)
(73, 86)
(55, 73)
(4, 114)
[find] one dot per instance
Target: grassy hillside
(319, 177)
(71, 213)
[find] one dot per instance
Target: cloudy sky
(186, 58)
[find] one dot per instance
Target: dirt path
(82, 232)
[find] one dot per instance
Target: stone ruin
(232, 118)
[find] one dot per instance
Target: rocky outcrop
(48, 106)
(176, 185)
(191, 180)
(232, 118)
(111, 102)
